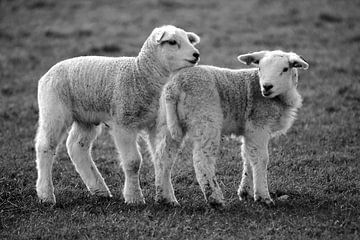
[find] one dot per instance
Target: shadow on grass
(79, 207)
(296, 203)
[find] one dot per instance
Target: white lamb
(121, 92)
(205, 102)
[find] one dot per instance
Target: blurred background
(316, 164)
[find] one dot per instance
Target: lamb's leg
(256, 152)
(130, 161)
(173, 121)
(45, 146)
(53, 120)
(246, 185)
(79, 144)
(206, 150)
(165, 156)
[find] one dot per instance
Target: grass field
(316, 164)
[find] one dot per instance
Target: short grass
(316, 164)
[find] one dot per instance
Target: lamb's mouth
(266, 94)
(192, 61)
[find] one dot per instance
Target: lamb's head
(175, 48)
(277, 70)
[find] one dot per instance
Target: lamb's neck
(291, 99)
(148, 66)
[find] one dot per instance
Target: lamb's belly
(231, 127)
(92, 117)
(140, 119)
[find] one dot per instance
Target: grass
(316, 164)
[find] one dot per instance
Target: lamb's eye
(172, 42)
(285, 69)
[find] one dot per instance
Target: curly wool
(206, 102)
(237, 92)
(91, 86)
(122, 92)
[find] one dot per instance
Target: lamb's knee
(77, 145)
(166, 148)
(131, 165)
(45, 145)
(44, 148)
(256, 155)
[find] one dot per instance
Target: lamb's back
(88, 84)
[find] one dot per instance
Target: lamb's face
(276, 75)
(175, 48)
(277, 70)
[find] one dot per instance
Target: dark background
(316, 164)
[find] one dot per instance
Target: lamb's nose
(196, 55)
(267, 87)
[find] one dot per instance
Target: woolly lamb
(205, 102)
(120, 92)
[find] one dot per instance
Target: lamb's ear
(161, 35)
(251, 58)
(297, 61)
(193, 38)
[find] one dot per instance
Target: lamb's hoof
(47, 199)
(267, 201)
(134, 199)
(283, 198)
(166, 202)
(216, 203)
(243, 195)
(47, 203)
(101, 193)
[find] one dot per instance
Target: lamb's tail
(172, 95)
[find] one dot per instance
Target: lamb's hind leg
(46, 142)
(165, 156)
(206, 151)
(130, 161)
(79, 144)
(53, 121)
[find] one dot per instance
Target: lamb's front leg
(130, 161)
(255, 151)
(246, 186)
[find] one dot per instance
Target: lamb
(120, 92)
(205, 102)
